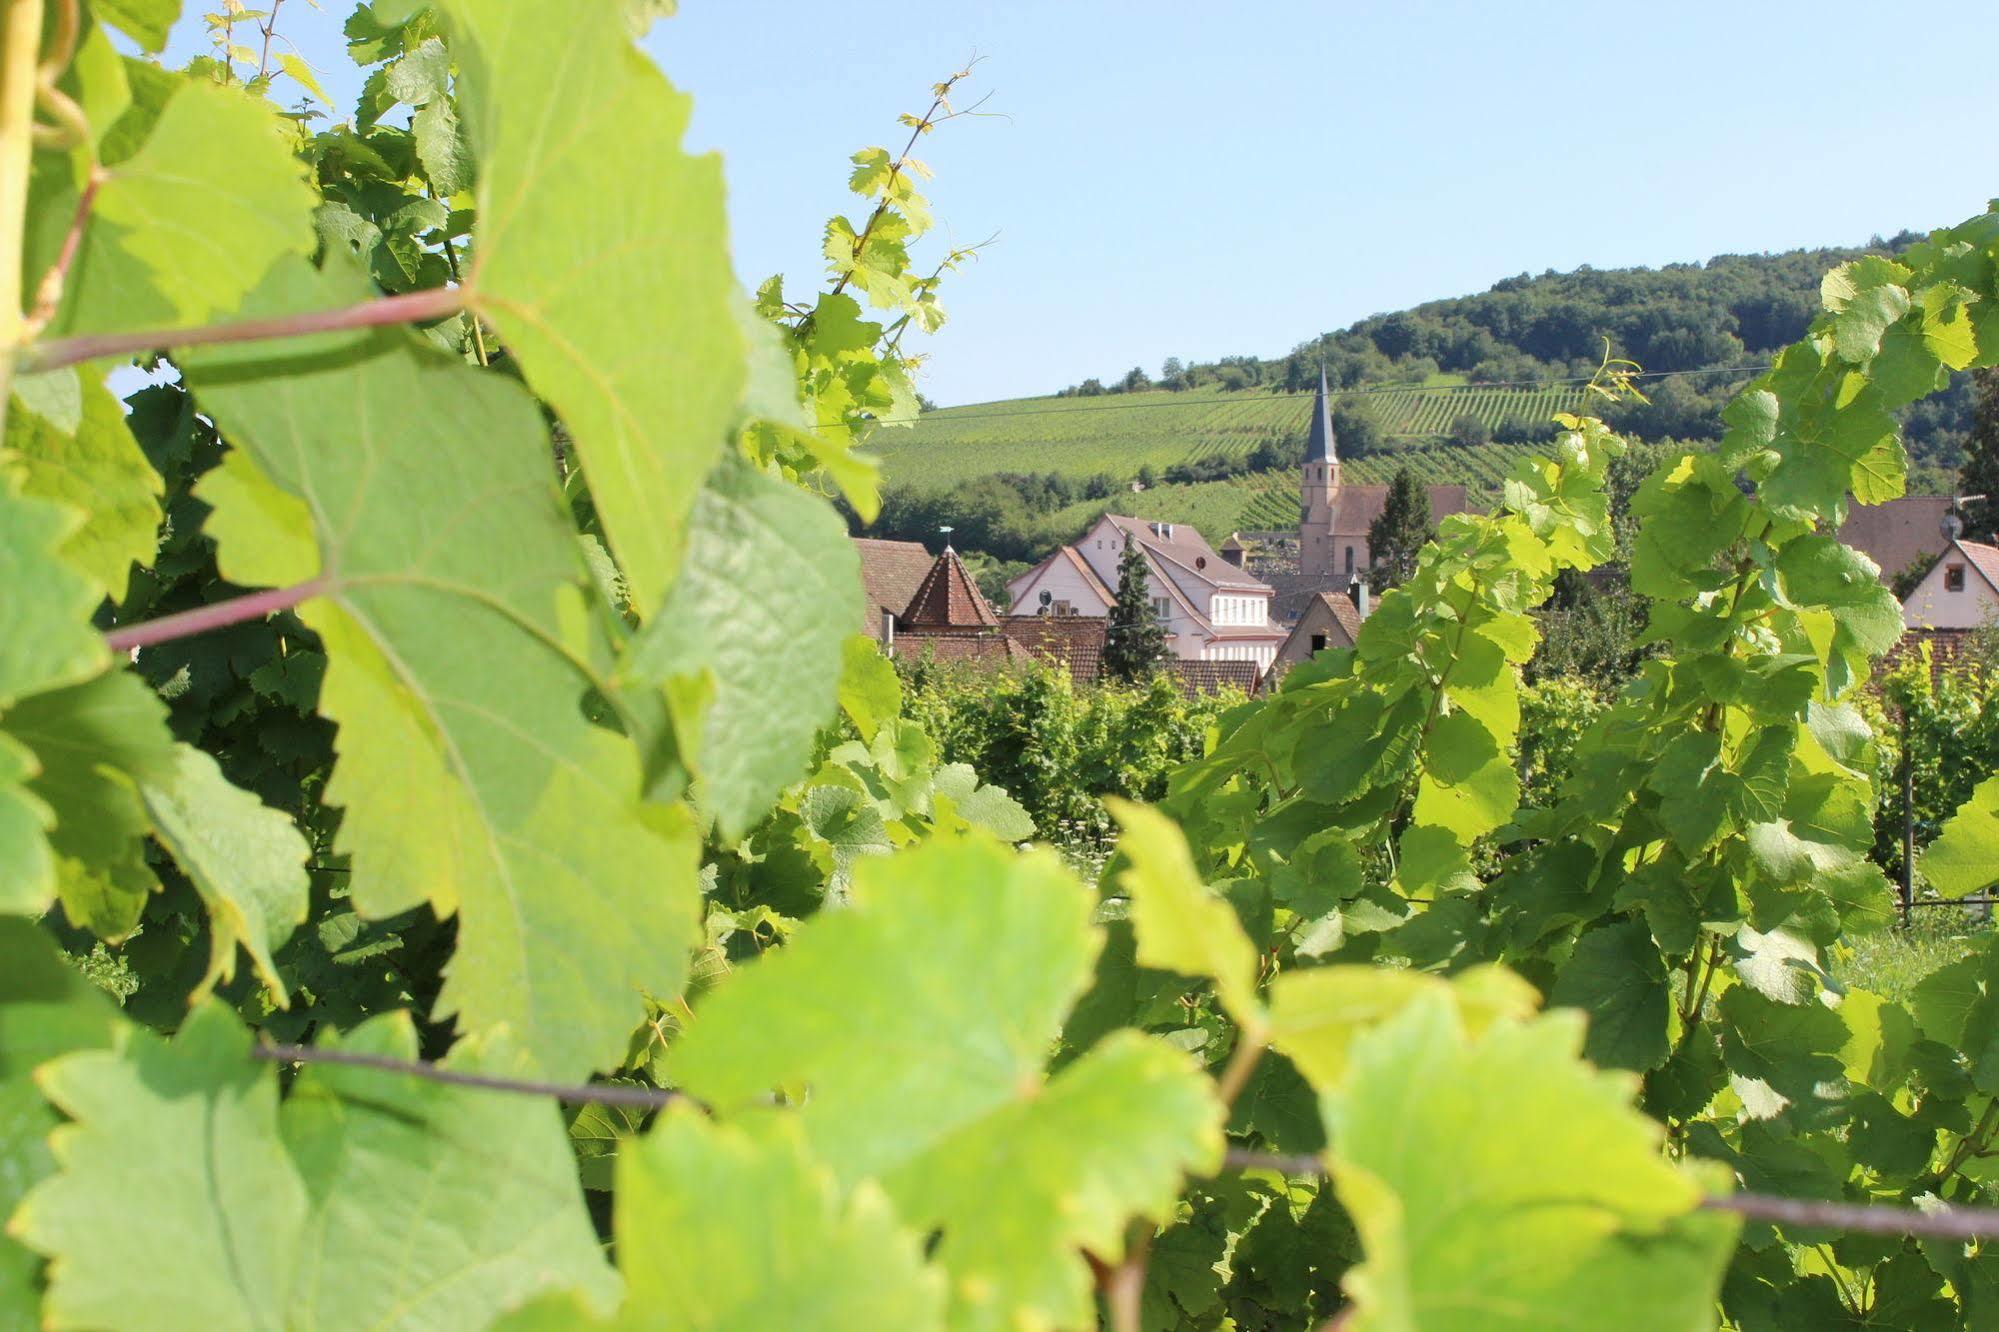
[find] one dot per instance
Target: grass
(1119, 433)
(1891, 962)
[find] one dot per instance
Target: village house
(1960, 591)
(1210, 608)
(1330, 620)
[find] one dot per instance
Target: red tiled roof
(1187, 548)
(1983, 558)
(891, 571)
(984, 648)
(1345, 612)
(1211, 677)
(1950, 650)
(1296, 591)
(1898, 533)
(948, 599)
(1356, 507)
(1072, 642)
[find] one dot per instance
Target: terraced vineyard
(1117, 435)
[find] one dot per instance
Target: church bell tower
(1321, 482)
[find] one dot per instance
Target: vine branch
(410, 307)
(647, 1098)
(20, 43)
(202, 619)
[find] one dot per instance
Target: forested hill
(1735, 309)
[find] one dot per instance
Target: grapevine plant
(431, 707)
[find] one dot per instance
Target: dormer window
(1953, 578)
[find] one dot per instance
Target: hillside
(1216, 444)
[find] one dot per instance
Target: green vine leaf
(45, 636)
(466, 777)
(480, 1185)
(186, 226)
(612, 285)
(748, 692)
(1487, 1228)
(47, 1009)
(1965, 856)
(919, 1019)
(1618, 979)
(1180, 925)
(737, 1228)
(146, 22)
(245, 859)
(191, 1126)
(93, 465)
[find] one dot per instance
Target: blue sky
(1172, 179)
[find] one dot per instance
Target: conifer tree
(1135, 641)
(1980, 474)
(1395, 537)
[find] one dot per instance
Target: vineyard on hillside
(1081, 437)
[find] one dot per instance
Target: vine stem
(200, 620)
(410, 307)
(48, 293)
(645, 1098)
(20, 45)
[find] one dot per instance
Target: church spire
(1320, 446)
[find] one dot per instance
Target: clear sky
(1197, 180)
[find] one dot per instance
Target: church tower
(1321, 484)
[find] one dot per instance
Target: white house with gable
(1211, 608)
(1961, 590)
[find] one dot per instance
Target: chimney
(888, 632)
(1357, 593)
(1232, 549)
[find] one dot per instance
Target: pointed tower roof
(1320, 446)
(948, 599)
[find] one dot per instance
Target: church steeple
(1320, 482)
(1320, 444)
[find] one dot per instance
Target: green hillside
(1116, 435)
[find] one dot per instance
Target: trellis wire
(1942, 1222)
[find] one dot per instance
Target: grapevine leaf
(773, 674)
(1822, 573)
(47, 1009)
(1316, 1015)
(27, 863)
(869, 692)
(1965, 855)
(146, 22)
(1490, 1229)
(924, 1065)
(191, 1127)
(1617, 977)
(1180, 925)
(45, 636)
(613, 285)
(186, 226)
(245, 859)
(92, 464)
(95, 744)
(480, 1185)
(470, 777)
(722, 1228)
(1468, 786)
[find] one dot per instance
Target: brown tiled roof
(947, 599)
(982, 647)
(1210, 677)
(1356, 507)
(1072, 642)
(1187, 548)
(1344, 611)
(1898, 533)
(1295, 592)
(891, 571)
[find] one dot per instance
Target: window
(1349, 559)
(1063, 608)
(1318, 642)
(1163, 608)
(1953, 578)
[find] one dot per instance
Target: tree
(1135, 381)
(1170, 373)
(1398, 533)
(1356, 428)
(1090, 388)
(1135, 641)
(1468, 432)
(1980, 474)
